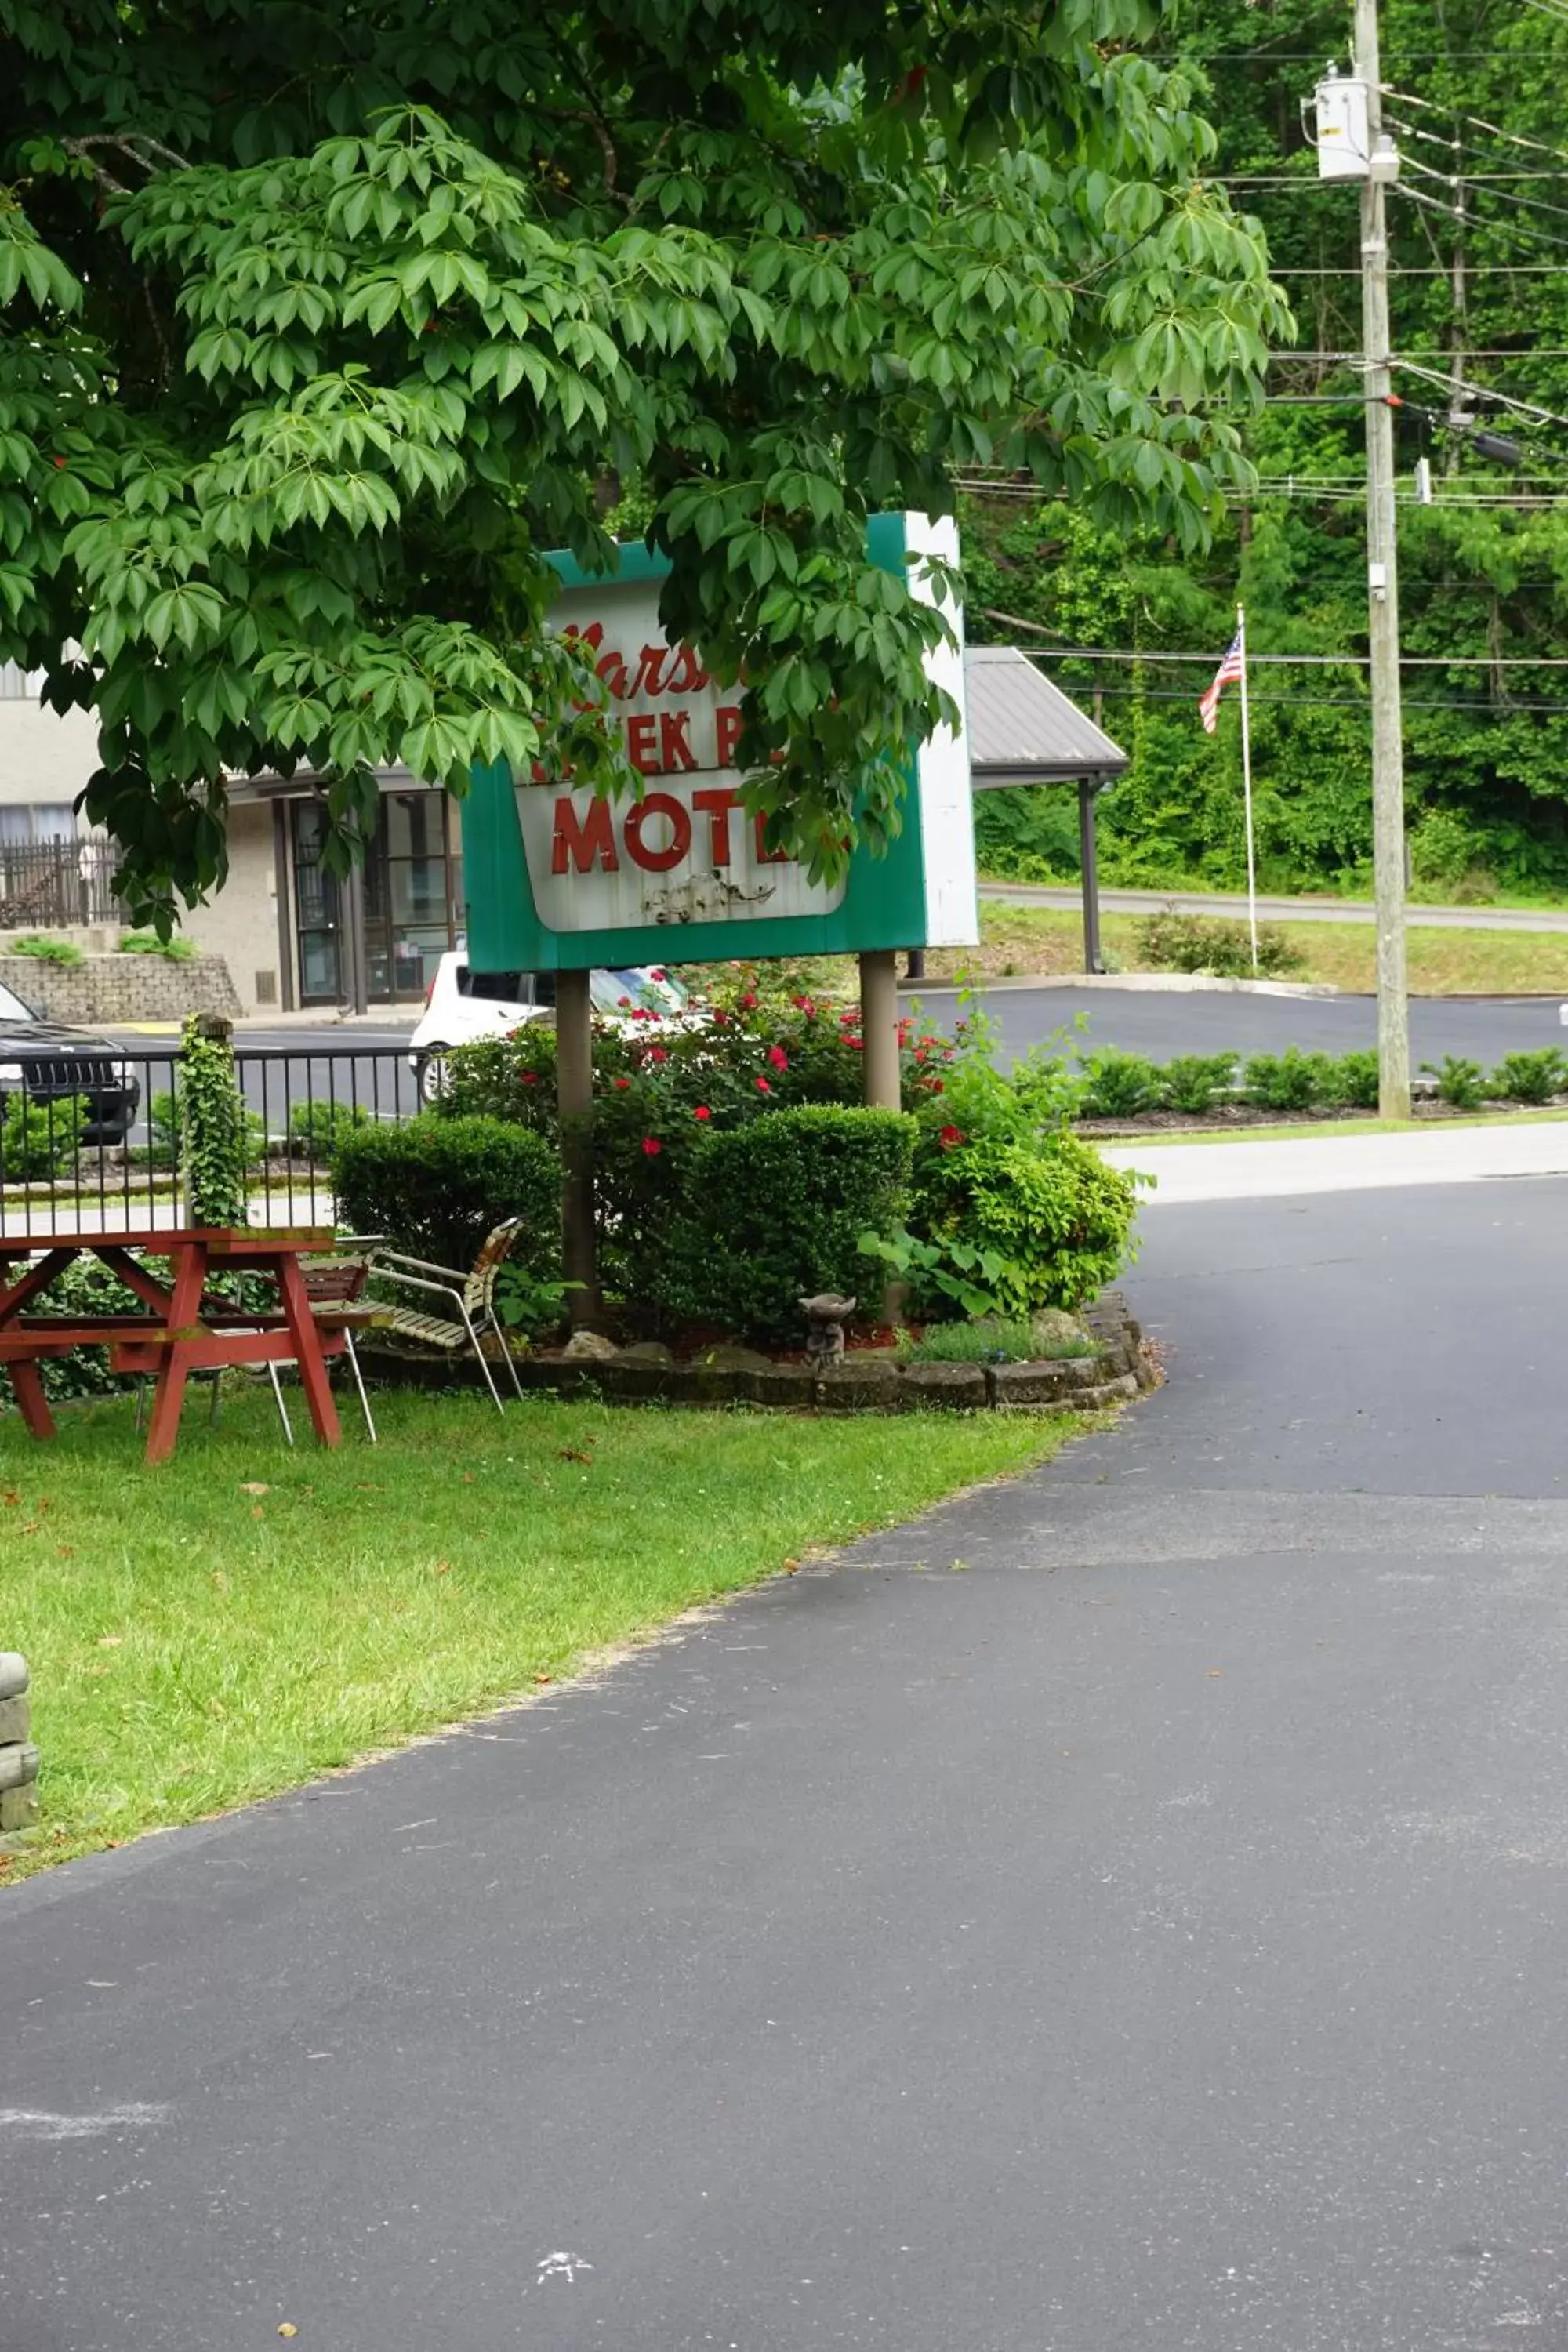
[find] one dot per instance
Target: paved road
(1149, 1937)
(333, 1064)
(371, 1062)
(1293, 910)
(1163, 1025)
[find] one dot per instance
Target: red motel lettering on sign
(585, 839)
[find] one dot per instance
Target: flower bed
(735, 1167)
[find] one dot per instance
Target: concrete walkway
(1115, 901)
(1237, 1170)
(1122, 1912)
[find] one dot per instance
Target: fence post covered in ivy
(214, 1142)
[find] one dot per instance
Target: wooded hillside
(1480, 298)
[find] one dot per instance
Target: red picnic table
(183, 1330)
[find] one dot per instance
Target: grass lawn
(1319, 1129)
(246, 1617)
(1025, 939)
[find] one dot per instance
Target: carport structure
(1025, 731)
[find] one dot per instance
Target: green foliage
(1352, 1083)
(1534, 1077)
(219, 1135)
(992, 1339)
(526, 1302)
(1195, 1083)
(37, 944)
(512, 1076)
(1120, 1086)
(306, 367)
(772, 1212)
(1056, 1218)
(436, 1186)
(172, 950)
(1202, 943)
(1483, 571)
(1460, 1084)
(41, 1138)
(316, 1128)
(1290, 1081)
(947, 1276)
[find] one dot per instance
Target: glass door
(409, 897)
(318, 910)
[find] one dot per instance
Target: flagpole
(1247, 789)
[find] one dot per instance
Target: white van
(460, 1005)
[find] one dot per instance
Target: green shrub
(316, 1128)
(436, 1186)
(64, 952)
(172, 950)
(1288, 1081)
(1054, 1217)
(1353, 1083)
(1120, 1085)
(773, 1212)
(1194, 1083)
(511, 1077)
(992, 1340)
(1203, 943)
(1529, 1077)
(41, 1138)
(1460, 1084)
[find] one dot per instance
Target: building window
(37, 821)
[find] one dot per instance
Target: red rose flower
(531, 1078)
(622, 1000)
(623, 1083)
(856, 1044)
(950, 1137)
(656, 1053)
(748, 1004)
(778, 1058)
(933, 1085)
(720, 1020)
(653, 1147)
(701, 1111)
(763, 1088)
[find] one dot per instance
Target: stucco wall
(241, 922)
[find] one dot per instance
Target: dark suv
(47, 1063)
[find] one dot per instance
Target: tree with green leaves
(321, 325)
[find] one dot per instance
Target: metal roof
(1024, 731)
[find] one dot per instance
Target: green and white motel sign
(560, 880)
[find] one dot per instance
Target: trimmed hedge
(436, 1186)
(773, 1212)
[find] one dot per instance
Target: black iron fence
(45, 884)
(89, 1141)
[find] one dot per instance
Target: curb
(1146, 983)
(1121, 1369)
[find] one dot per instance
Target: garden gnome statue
(825, 1328)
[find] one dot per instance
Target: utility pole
(1383, 599)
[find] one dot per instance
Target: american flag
(1228, 674)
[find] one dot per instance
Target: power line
(1396, 269)
(1414, 704)
(1479, 122)
(1280, 661)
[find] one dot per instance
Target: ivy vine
(214, 1125)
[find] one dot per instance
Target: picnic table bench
(183, 1328)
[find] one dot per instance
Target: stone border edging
(862, 1383)
(18, 1757)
